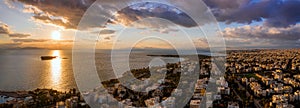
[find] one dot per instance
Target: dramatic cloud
(130, 14)
(263, 35)
(291, 33)
(226, 4)
(66, 13)
(277, 13)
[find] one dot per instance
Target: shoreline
(15, 94)
(41, 98)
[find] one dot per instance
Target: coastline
(28, 97)
(41, 98)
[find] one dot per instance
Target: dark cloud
(226, 4)
(19, 35)
(71, 10)
(128, 15)
(260, 43)
(29, 40)
(277, 13)
(263, 32)
(4, 29)
(107, 31)
(263, 36)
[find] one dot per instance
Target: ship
(48, 57)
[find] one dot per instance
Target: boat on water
(48, 57)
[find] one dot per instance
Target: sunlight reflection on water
(56, 69)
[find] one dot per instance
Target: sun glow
(55, 35)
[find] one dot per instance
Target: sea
(23, 69)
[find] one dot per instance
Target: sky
(53, 24)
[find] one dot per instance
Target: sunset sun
(55, 35)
